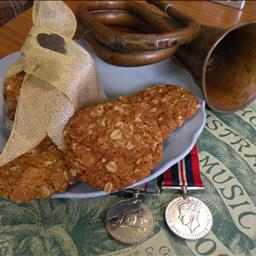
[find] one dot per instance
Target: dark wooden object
(129, 59)
(165, 35)
(128, 33)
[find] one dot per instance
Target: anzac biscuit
(37, 174)
(12, 87)
(169, 105)
(112, 145)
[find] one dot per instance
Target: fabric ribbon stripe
(184, 173)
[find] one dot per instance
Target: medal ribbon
(150, 187)
(185, 173)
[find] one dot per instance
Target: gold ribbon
(55, 84)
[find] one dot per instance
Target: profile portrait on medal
(189, 215)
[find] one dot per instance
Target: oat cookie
(37, 174)
(169, 105)
(112, 145)
(12, 87)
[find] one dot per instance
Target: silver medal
(130, 221)
(188, 217)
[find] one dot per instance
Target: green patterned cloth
(227, 153)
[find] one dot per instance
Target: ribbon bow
(61, 77)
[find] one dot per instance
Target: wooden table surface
(13, 33)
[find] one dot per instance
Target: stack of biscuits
(108, 146)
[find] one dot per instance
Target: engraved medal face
(188, 217)
(130, 221)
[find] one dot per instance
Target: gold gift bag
(61, 78)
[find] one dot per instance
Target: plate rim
(164, 167)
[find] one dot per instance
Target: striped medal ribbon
(187, 216)
(184, 175)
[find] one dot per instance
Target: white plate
(118, 81)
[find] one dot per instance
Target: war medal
(186, 216)
(131, 221)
